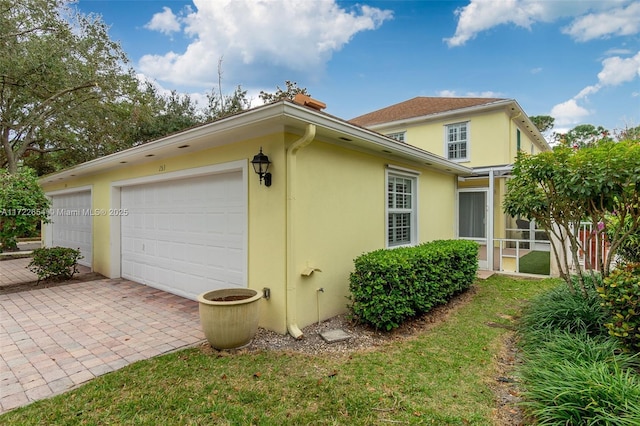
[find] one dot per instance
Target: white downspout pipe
(490, 219)
(291, 299)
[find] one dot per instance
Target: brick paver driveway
(53, 339)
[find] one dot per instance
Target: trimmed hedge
(389, 286)
(58, 263)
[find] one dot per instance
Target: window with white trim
(401, 209)
(399, 136)
(457, 141)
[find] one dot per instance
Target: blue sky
(578, 61)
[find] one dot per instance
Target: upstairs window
(457, 141)
(399, 136)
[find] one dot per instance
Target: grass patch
(536, 262)
(440, 377)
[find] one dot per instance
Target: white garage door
(185, 236)
(71, 223)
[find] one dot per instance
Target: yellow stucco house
(187, 213)
(484, 134)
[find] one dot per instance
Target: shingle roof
(418, 107)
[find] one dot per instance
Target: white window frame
(458, 124)
(399, 136)
(401, 173)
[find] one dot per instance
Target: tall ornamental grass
(573, 372)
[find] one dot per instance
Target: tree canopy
(290, 91)
(68, 94)
(583, 135)
(543, 122)
(22, 206)
(64, 85)
(563, 187)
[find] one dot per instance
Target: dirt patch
(362, 337)
(506, 386)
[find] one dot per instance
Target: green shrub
(579, 348)
(592, 280)
(629, 248)
(559, 309)
(390, 286)
(561, 392)
(60, 263)
(620, 293)
(22, 206)
(573, 372)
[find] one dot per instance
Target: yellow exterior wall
(341, 214)
(338, 213)
(437, 206)
(493, 138)
(489, 138)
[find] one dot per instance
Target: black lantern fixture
(260, 166)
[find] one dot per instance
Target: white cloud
(454, 94)
(537, 70)
(250, 34)
(165, 22)
(447, 94)
(617, 70)
(568, 113)
(614, 22)
(589, 90)
(482, 15)
(618, 51)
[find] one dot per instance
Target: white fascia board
(277, 114)
(224, 125)
(494, 169)
(532, 129)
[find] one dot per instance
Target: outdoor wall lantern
(260, 166)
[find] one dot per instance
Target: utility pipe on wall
(306, 139)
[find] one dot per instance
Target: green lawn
(440, 377)
(536, 262)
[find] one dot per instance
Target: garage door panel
(189, 234)
(71, 223)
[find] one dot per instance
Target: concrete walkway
(56, 338)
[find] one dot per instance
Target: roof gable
(418, 107)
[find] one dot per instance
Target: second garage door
(71, 222)
(185, 236)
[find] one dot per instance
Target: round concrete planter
(229, 317)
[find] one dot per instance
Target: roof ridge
(421, 106)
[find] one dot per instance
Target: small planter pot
(229, 317)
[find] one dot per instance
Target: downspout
(490, 218)
(291, 299)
